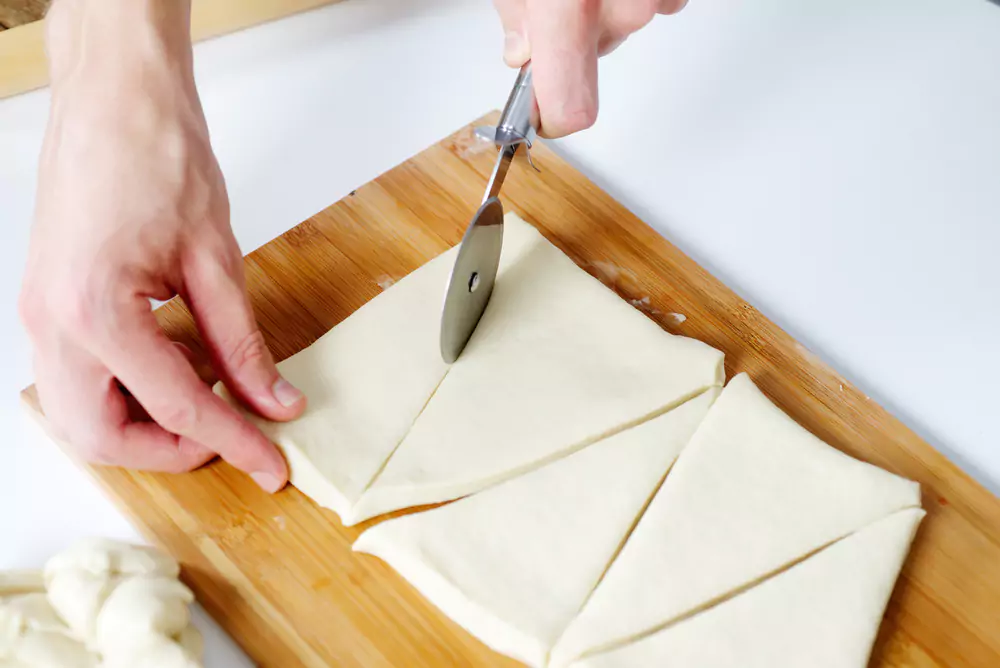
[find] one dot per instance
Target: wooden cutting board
(278, 572)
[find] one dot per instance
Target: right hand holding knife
(564, 39)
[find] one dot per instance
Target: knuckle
(181, 465)
(575, 120)
(180, 417)
(216, 253)
(91, 443)
(247, 451)
(77, 306)
(250, 351)
(75, 311)
(214, 261)
(30, 310)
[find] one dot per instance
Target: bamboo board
(24, 67)
(278, 573)
(19, 12)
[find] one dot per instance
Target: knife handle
(519, 120)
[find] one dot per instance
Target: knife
(470, 284)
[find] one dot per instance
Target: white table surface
(837, 164)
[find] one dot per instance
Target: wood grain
(23, 65)
(278, 573)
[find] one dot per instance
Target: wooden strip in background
(278, 573)
(22, 59)
(19, 12)
(23, 65)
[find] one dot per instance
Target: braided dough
(99, 604)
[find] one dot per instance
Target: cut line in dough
(515, 563)
(752, 493)
(823, 612)
(366, 381)
(557, 362)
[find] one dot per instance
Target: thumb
(215, 291)
(566, 36)
(517, 48)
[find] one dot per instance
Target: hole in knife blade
(474, 281)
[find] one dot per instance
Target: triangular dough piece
(367, 379)
(751, 493)
(557, 361)
(822, 613)
(515, 563)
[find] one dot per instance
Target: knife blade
(470, 284)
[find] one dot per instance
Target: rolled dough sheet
(557, 362)
(515, 563)
(752, 493)
(824, 612)
(367, 379)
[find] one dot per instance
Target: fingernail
(267, 482)
(287, 394)
(515, 48)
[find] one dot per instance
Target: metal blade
(504, 158)
(472, 278)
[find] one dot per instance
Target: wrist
(106, 47)
(123, 64)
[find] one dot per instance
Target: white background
(836, 163)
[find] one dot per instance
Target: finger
(626, 17)
(621, 19)
(162, 380)
(203, 369)
(187, 352)
(671, 6)
(564, 35)
(609, 42)
(517, 48)
(216, 293)
(83, 404)
(137, 413)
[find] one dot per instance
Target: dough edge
(437, 590)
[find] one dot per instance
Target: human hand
(131, 205)
(563, 39)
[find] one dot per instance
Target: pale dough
(35, 610)
(21, 582)
(33, 636)
(558, 361)
(99, 603)
(824, 612)
(48, 649)
(514, 564)
(751, 493)
(366, 380)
